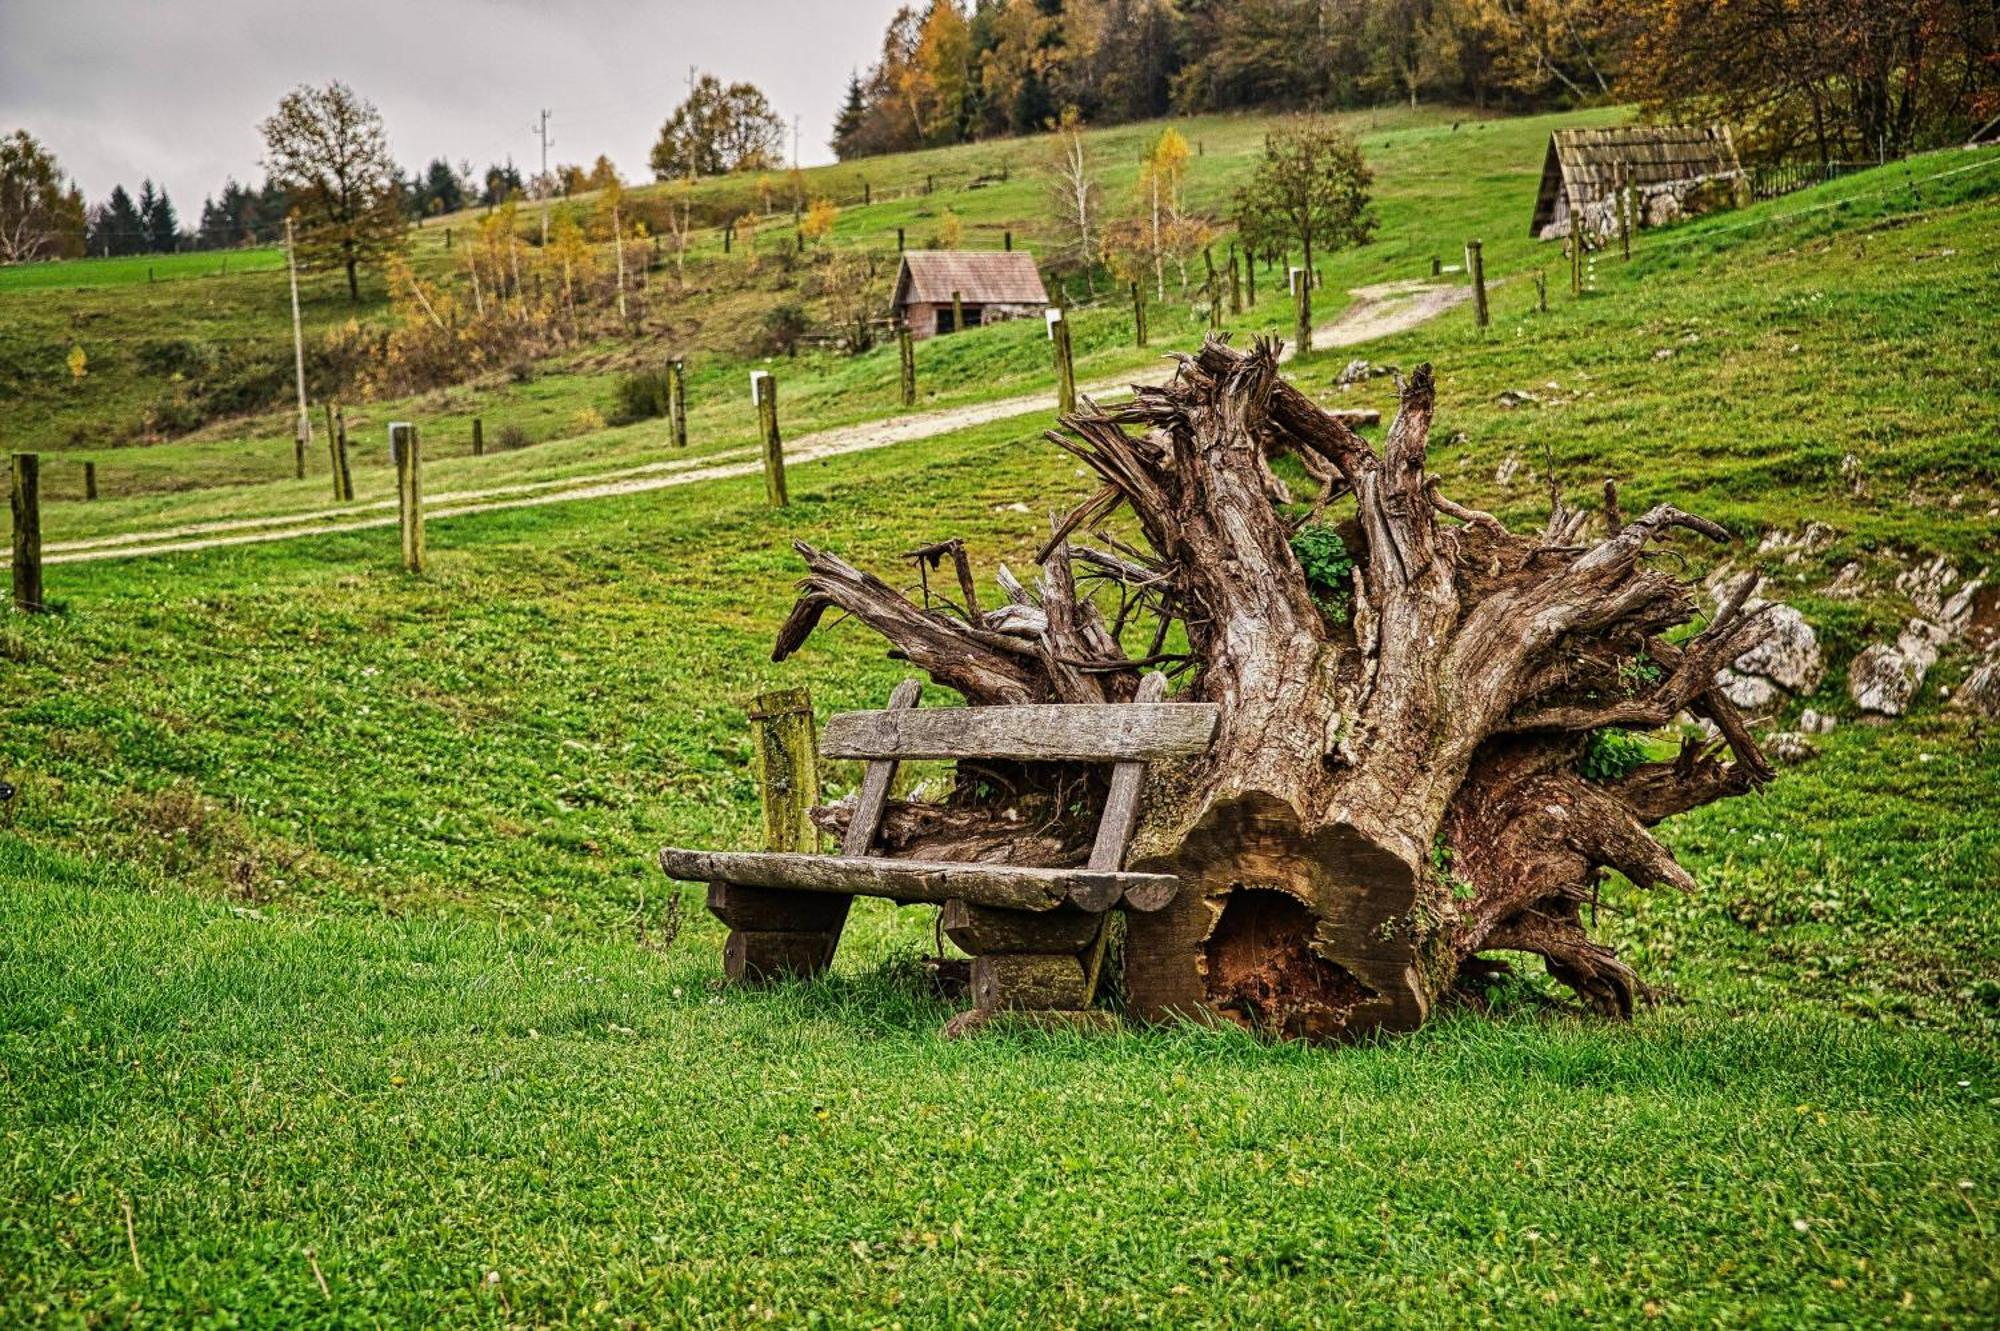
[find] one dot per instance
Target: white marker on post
(395, 428)
(1051, 317)
(756, 390)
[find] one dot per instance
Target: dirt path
(1378, 311)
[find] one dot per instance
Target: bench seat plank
(1053, 732)
(1007, 886)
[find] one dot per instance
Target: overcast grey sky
(174, 89)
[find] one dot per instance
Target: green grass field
(331, 955)
(126, 270)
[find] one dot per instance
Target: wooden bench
(1035, 935)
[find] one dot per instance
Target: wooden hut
(1672, 170)
(986, 287)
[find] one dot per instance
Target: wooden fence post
(1065, 365)
(677, 401)
(1624, 216)
(299, 446)
(409, 492)
(478, 437)
(1541, 291)
(1575, 254)
(1302, 332)
(1437, 266)
(1478, 265)
(906, 350)
(1235, 285)
(1138, 316)
(90, 480)
(957, 313)
(764, 392)
(899, 240)
(27, 532)
(1250, 281)
(784, 754)
(343, 477)
(1007, 241)
(333, 454)
(775, 934)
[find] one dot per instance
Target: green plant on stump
(1328, 569)
(1611, 755)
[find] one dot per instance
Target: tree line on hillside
(44, 215)
(1837, 78)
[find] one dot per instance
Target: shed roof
(1584, 163)
(985, 278)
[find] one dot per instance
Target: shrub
(1611, 755)
(587, 420)
(781, 329)
(641, 396)
(1323, 557)
(511, 436)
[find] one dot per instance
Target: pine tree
(159, 226)
(853, 112)
(440, 189)
(118, 229)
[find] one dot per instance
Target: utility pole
(302, 432)
(543, 184)
(693, 72)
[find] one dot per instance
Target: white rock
(1353, 373)
(1753, 693)
(1790, 657)
(1881, 681)
(1846, 584)
(1816, 723)
(1788, 746)
(1920, 642)
(1504, 473)
(1980, 694)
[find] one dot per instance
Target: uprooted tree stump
(1395, 790)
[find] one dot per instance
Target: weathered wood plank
(1025, 980)
(1057, 732)
(754, 957)
(766, 910)
(1010, 887)
(1121, 804)
(981, 930)
(876, 781)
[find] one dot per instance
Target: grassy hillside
(140, 338)
(328, 937)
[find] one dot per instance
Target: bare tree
(1073, 194)
(327, 150)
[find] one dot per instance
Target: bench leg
(1025, 962)
(776, 935)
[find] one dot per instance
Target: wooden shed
(1672, 170)
(987, 287)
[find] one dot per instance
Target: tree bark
(1394, 787)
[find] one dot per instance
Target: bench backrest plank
(1121, 803)
(1056, 732)
(875, 782)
